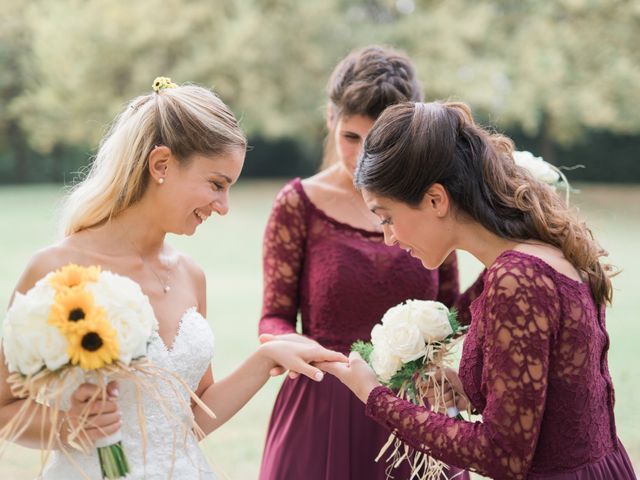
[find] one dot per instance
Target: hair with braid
(366, 82)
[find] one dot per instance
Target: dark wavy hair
(415, 145)
(367, 81)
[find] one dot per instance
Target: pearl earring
(161, 181)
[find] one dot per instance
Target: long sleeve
(520, 312)
(282, 256)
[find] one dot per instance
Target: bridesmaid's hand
(453, 393)
(291, 337)
(299, 356)
(358, 376)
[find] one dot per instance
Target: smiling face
(192, 192)
(350, 132)
(426, 231)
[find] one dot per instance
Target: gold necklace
(165, 285)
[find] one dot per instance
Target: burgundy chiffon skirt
(613, 466)
(318, 431)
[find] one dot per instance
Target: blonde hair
(187, 119)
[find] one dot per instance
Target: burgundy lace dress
(534, 364)
(341, 279)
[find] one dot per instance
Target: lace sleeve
(520, 314)
(282, 254)
(448, 281)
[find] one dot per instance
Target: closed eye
(386, 221)
(216, 185)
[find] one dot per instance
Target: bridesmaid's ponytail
(414, 145)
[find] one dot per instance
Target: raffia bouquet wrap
(82, 324)
(413, 341)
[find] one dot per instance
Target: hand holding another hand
(357, 375)
(298, 356)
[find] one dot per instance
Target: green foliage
(364, 349)
(553, 70)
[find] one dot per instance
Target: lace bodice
(534, 364)
(189, 356)
(341, 279)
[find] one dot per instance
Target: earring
(161, 181)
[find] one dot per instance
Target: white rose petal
(29, 341)
(129, 312)
(538, 168)
(432, 318)
(403, 337)
(384, 363)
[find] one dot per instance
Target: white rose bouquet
(413, 341)
(544, 171)
(78, 324)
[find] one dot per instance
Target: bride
(165, 166)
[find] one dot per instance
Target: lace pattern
(534, 364)
(341, 279)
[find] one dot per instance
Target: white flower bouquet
(543, 171)
(78, 324)
(413, 341)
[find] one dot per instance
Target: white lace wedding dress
(189, 356)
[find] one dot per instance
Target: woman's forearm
(37, 429)
(227, 396)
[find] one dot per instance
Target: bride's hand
(452, 391)
(299, 356)
(358, 376)
(290, 337)
(104, 417)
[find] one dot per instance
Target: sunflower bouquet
(78, 324)
(414, 340)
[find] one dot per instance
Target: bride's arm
(227, 396)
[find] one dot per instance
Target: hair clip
(160, 83)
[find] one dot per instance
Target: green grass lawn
(229, 249)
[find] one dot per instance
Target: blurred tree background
(562, 77)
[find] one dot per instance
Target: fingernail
(319, 376)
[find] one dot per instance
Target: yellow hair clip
(160, 83)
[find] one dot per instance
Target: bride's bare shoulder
(44, 261)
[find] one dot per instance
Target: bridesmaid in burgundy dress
(534, 361)
(325, 258)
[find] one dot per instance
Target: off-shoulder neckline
(551, 270)
(297, 185)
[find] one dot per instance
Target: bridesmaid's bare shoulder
(321, 186)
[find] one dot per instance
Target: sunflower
(93, 345)
(72, 276)
(71, 308)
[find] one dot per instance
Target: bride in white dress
(166, 165)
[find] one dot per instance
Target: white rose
(129, 312)
(432, 318)
(538, 168)
(402, 335)
(30, 342)
(384, 363)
